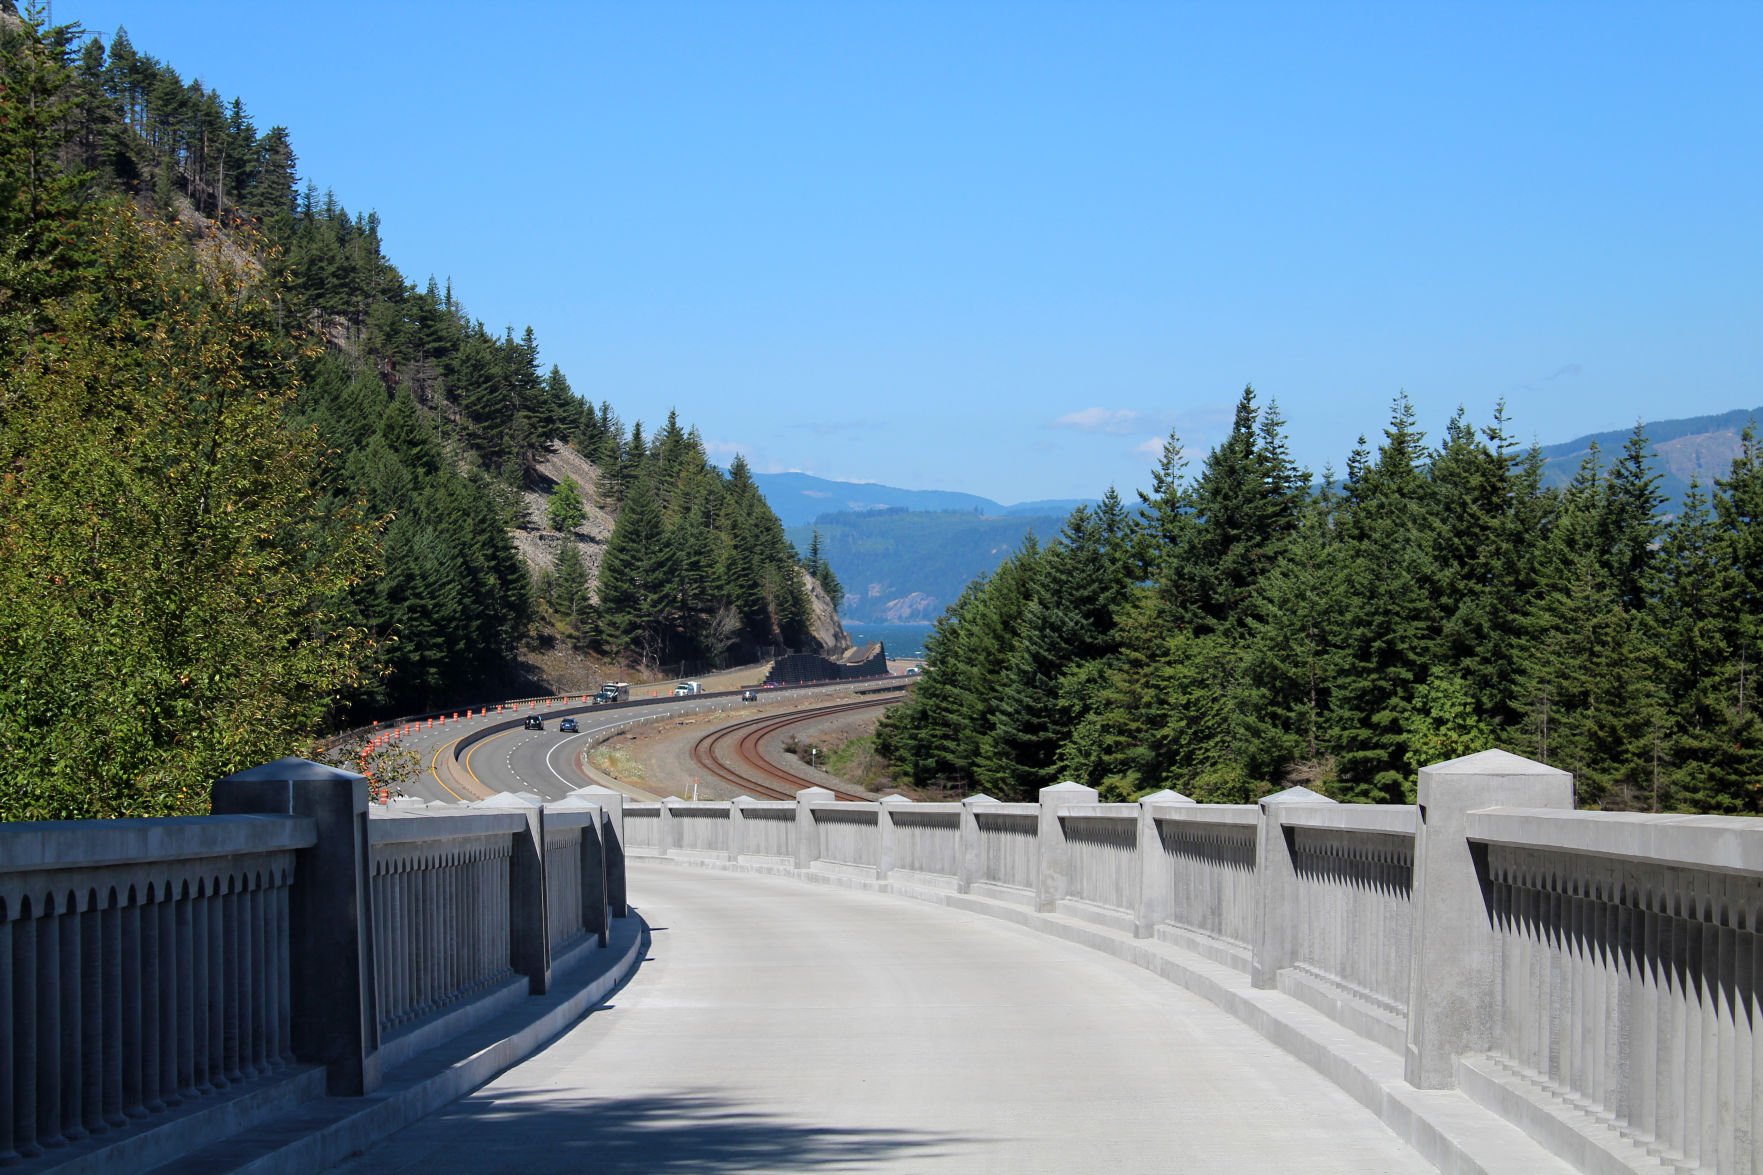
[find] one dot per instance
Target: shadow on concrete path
(539, 1130)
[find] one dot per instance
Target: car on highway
(534, 722)
(568, 726)
(913, 671)
(749, 695)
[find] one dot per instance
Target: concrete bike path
(776, 1026)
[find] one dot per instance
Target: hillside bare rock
(824, 619)
(537, 543)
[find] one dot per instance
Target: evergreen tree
(563, 508)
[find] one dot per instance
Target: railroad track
(731, 753)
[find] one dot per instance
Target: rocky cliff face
(824, 622)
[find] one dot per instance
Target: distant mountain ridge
(800, 498)
(1696, 447)
(905, 555)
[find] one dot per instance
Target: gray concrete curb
(1445, 1127)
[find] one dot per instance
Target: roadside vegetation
(256, 486)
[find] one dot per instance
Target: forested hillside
(1253, 629)
(255, 483)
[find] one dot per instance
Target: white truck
(686, 689)
(613, 691)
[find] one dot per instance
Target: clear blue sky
(1005, 247)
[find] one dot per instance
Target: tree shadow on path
(539, 1131)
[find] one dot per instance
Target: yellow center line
(436, 775)
(465, 761)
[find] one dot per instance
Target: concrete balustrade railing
(1595, 978)
(441, 893)
(927, 842)
(1354, 913)
(284, 947)
(1202, 888)
(1629, 962)
(143, 966)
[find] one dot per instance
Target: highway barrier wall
(164, 982)
(1593, 978)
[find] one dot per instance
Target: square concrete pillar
(1451, 997)
(1276, 888)
(1053, 858)
(1153, 905)
(612, 803)
(664, 834)
(737, 827)
(335, 1015)
(807, 837)
(972, 860)
(884, 831)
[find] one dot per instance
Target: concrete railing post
(334, 1015)
(884, 831)
(972, 864)
(664, 834)
(612, 803)
(596, 896)
(737, 827)
(1276, 888)
(807, 838)
(1153, 906)
(1451, 1000)
(1053, 856)
(529, 923)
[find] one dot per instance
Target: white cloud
(1116, 422)
(1151, 447)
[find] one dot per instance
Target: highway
(477, 754)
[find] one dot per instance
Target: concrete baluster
(885, 854)
(1277, 929)
(1053, 855)
(73, 1111)
(250, 977)
(25, 1040)
(152, 971)
(171, 977)
(188, 904)
(612, 803)
(1155, 905)
(335, 1018)
(807, 837)
(973, 857)
(92, 1014)
(113, 997)
(130, 936)
(1453, 979)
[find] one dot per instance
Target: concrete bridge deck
(776, 1026)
